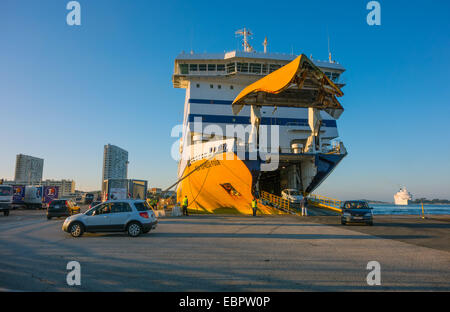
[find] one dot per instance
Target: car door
(99, 220)
(120, 213)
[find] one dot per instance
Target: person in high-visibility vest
(185, 205)
(254, 206)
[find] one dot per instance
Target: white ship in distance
(402, 197)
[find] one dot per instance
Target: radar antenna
(265, 45)
(245, 33)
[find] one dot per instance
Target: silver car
(131, 216)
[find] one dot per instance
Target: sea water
(413, 209)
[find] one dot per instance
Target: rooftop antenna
(329, 51)
(245, 33)
(265, 45)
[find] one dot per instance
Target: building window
(211, 67)
(220, 67)
(219, 87)
(198, 85)
(231, 87)
(193, 67)
(202, 67)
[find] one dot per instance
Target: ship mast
(245, 33)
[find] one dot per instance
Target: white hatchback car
(292, 195)
(131, 216)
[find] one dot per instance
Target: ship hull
(227, 184)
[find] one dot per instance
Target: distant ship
(402, 197)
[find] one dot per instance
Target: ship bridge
(240, 66)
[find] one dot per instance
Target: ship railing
(277, 202)
(325, 202)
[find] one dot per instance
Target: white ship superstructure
(402, 197)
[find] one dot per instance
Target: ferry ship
(402, 197)
(286, 104)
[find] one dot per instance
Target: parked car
(88, 198)
(94, 203)
(292, 195)
(62, 208)
(356, 211)
(131, 216)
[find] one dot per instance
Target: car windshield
(5, 191)
(142, 206)
(356, 205)
(57, 202)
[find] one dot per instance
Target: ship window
(184, 69)
(334, 77)
(231, 68)
(211, 67)
(273, 67)
(193, 67)
(211, 86)
(220, 67)
(202, 67)
(264, 68)
(198, 85)
(255, 68)
(328, 74)
(242, 67)
(231, 87)
(219, 87)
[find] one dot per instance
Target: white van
(6, 198)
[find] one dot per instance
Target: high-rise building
(115, 162)
(28, 169)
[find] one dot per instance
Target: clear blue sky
(66, 91)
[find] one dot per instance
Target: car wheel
(134, 229)
(370, 223)
(343, 222)
(49, 218)
(76, 229)
(6, 213)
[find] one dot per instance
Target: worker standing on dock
(254, 206)
(304, 204)
(185, 205)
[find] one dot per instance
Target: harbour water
(414, 209)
